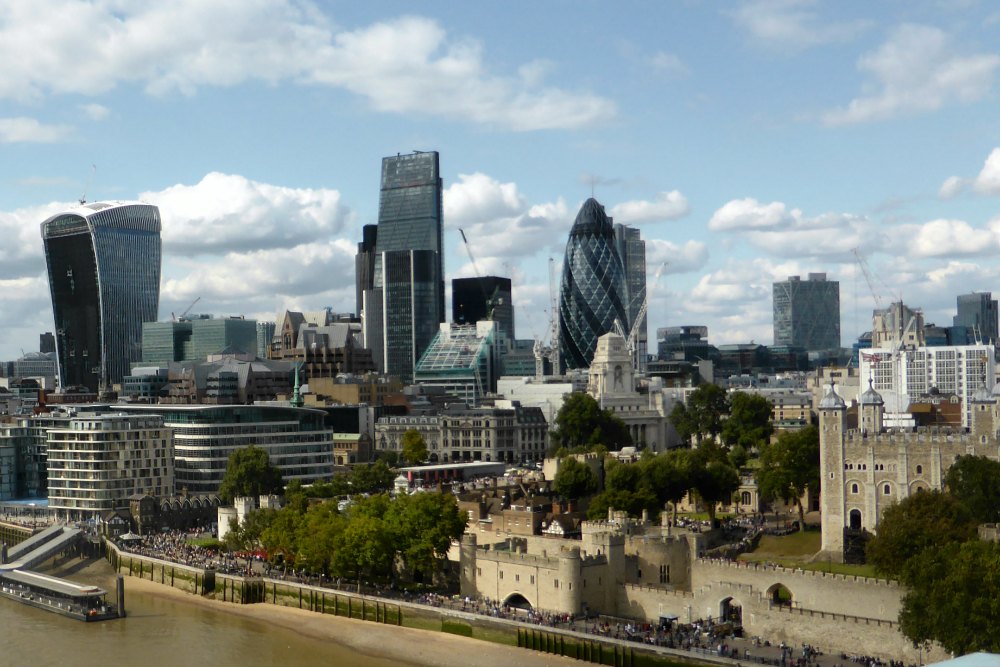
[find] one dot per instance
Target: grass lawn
(794, 550)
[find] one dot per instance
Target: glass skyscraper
(807, 313)
(632, 250)
(103, 262)
(593, 291)
(405, 303)
(978, 313)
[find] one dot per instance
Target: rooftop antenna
(90, 180)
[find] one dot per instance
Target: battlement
(898, 437)
(659, 590)
(798, 611)
(796, 572)
(544, 561)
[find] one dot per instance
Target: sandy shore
(404, 645)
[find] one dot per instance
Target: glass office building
(405, 303)
(593, 292)
(807, 313)
(632, 249)
(103, 264)
(475, 299)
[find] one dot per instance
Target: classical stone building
(866, 469)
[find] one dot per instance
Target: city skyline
(746, 142)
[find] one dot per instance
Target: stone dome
(871, 397)
(832, 401)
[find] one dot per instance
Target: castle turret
(832, 419)
(872, 409)
(467, 565)
(981, 421)
(570, 581)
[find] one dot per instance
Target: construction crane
(549, 348)
(90, 180)
(863, 265)
(186, 310)
(632, 335)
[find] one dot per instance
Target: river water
(159, 632)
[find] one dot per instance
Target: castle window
(555, 583)
(920, 470)
(664, 574)
(479, 571)
(517, 577)
(886, 490)
(501, 574)
(532, 578)
(854, 488)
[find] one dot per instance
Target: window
(886, 490)
(532, 578)
(854, 488)
(555, 583)
(920, 470)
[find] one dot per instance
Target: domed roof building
(592, 293)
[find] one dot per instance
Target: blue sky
(748, 141)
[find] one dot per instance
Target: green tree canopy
(372, 478)
(918, 522)
(748, 424)
(952, 599)
(414, 447)
(789, 466)
(714, 483)
(249, 472)
(423, 526)
(975, 481)
(574, 479)
(702, 414)
(363, 549)
(581, 424)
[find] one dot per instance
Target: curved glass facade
(103, 263)
(592, 294)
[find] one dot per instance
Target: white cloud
(792, 24)
(952, 187)
(21, 253)
(943, 238)
(667, 206)
(669, 63)
(988, 180)
(29, 130)
(917, 70)
(225, 212)
(743, 214)
(687, 258)
(95, 111)
(407, 65)
(477, 198)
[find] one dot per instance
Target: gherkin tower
(592, 294)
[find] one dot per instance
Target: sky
(748, 141)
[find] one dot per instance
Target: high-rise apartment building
(978, 313)
(593, 295)
(807, 312)
(405, 304)
(103, 262)
(632, 250)
(475, 299)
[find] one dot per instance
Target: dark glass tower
(364, 266)
(632, 250)
(807, 313)
(978, 313)
(592, 294)
(103, 262)
(472, 299)
(405, 304)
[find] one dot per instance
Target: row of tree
(929, 541)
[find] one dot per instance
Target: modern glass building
(632, 249)
(593, 292)
(463, 360)
(197, 338)
(103, 262)
(405, 303)
(977, 312)
(474, 299)
(807, 313)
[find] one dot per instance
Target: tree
(702, 414)
(317, 536)
(363, 548)
(246, 536)
(975, 481)
(249, 472)
(749, 422)
(789, 466)
(575, 479)
(669, 476)
(423, 526)
(714, 483)
(918, 522)
(372, 478)
(414, 447)
(581, 424)
(952, 599)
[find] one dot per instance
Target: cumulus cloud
(794, 24)
(407, 65)
(667, 206)
(988, 180)
(943, 237)
(952, 187)
(95, 111)
(21, 252)
(29, 130)
(916, 70)
(686, 258)
(225, 212)
(742, 214)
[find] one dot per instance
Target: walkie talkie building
(103, 261)
(592, 294)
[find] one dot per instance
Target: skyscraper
(978, 313)
(807, 312)
(475, 299)
(405, 304)
(632, 249)
(593, 293)
(103, 262)
(364, 266)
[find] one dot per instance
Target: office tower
(807, 312)
(364, 265)
(265, 332)
(632, 250)
(103, 262)
(475, 299)
(46, 342)
(196, 338)
(978, 313)
(405, 304)
(592, 294)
